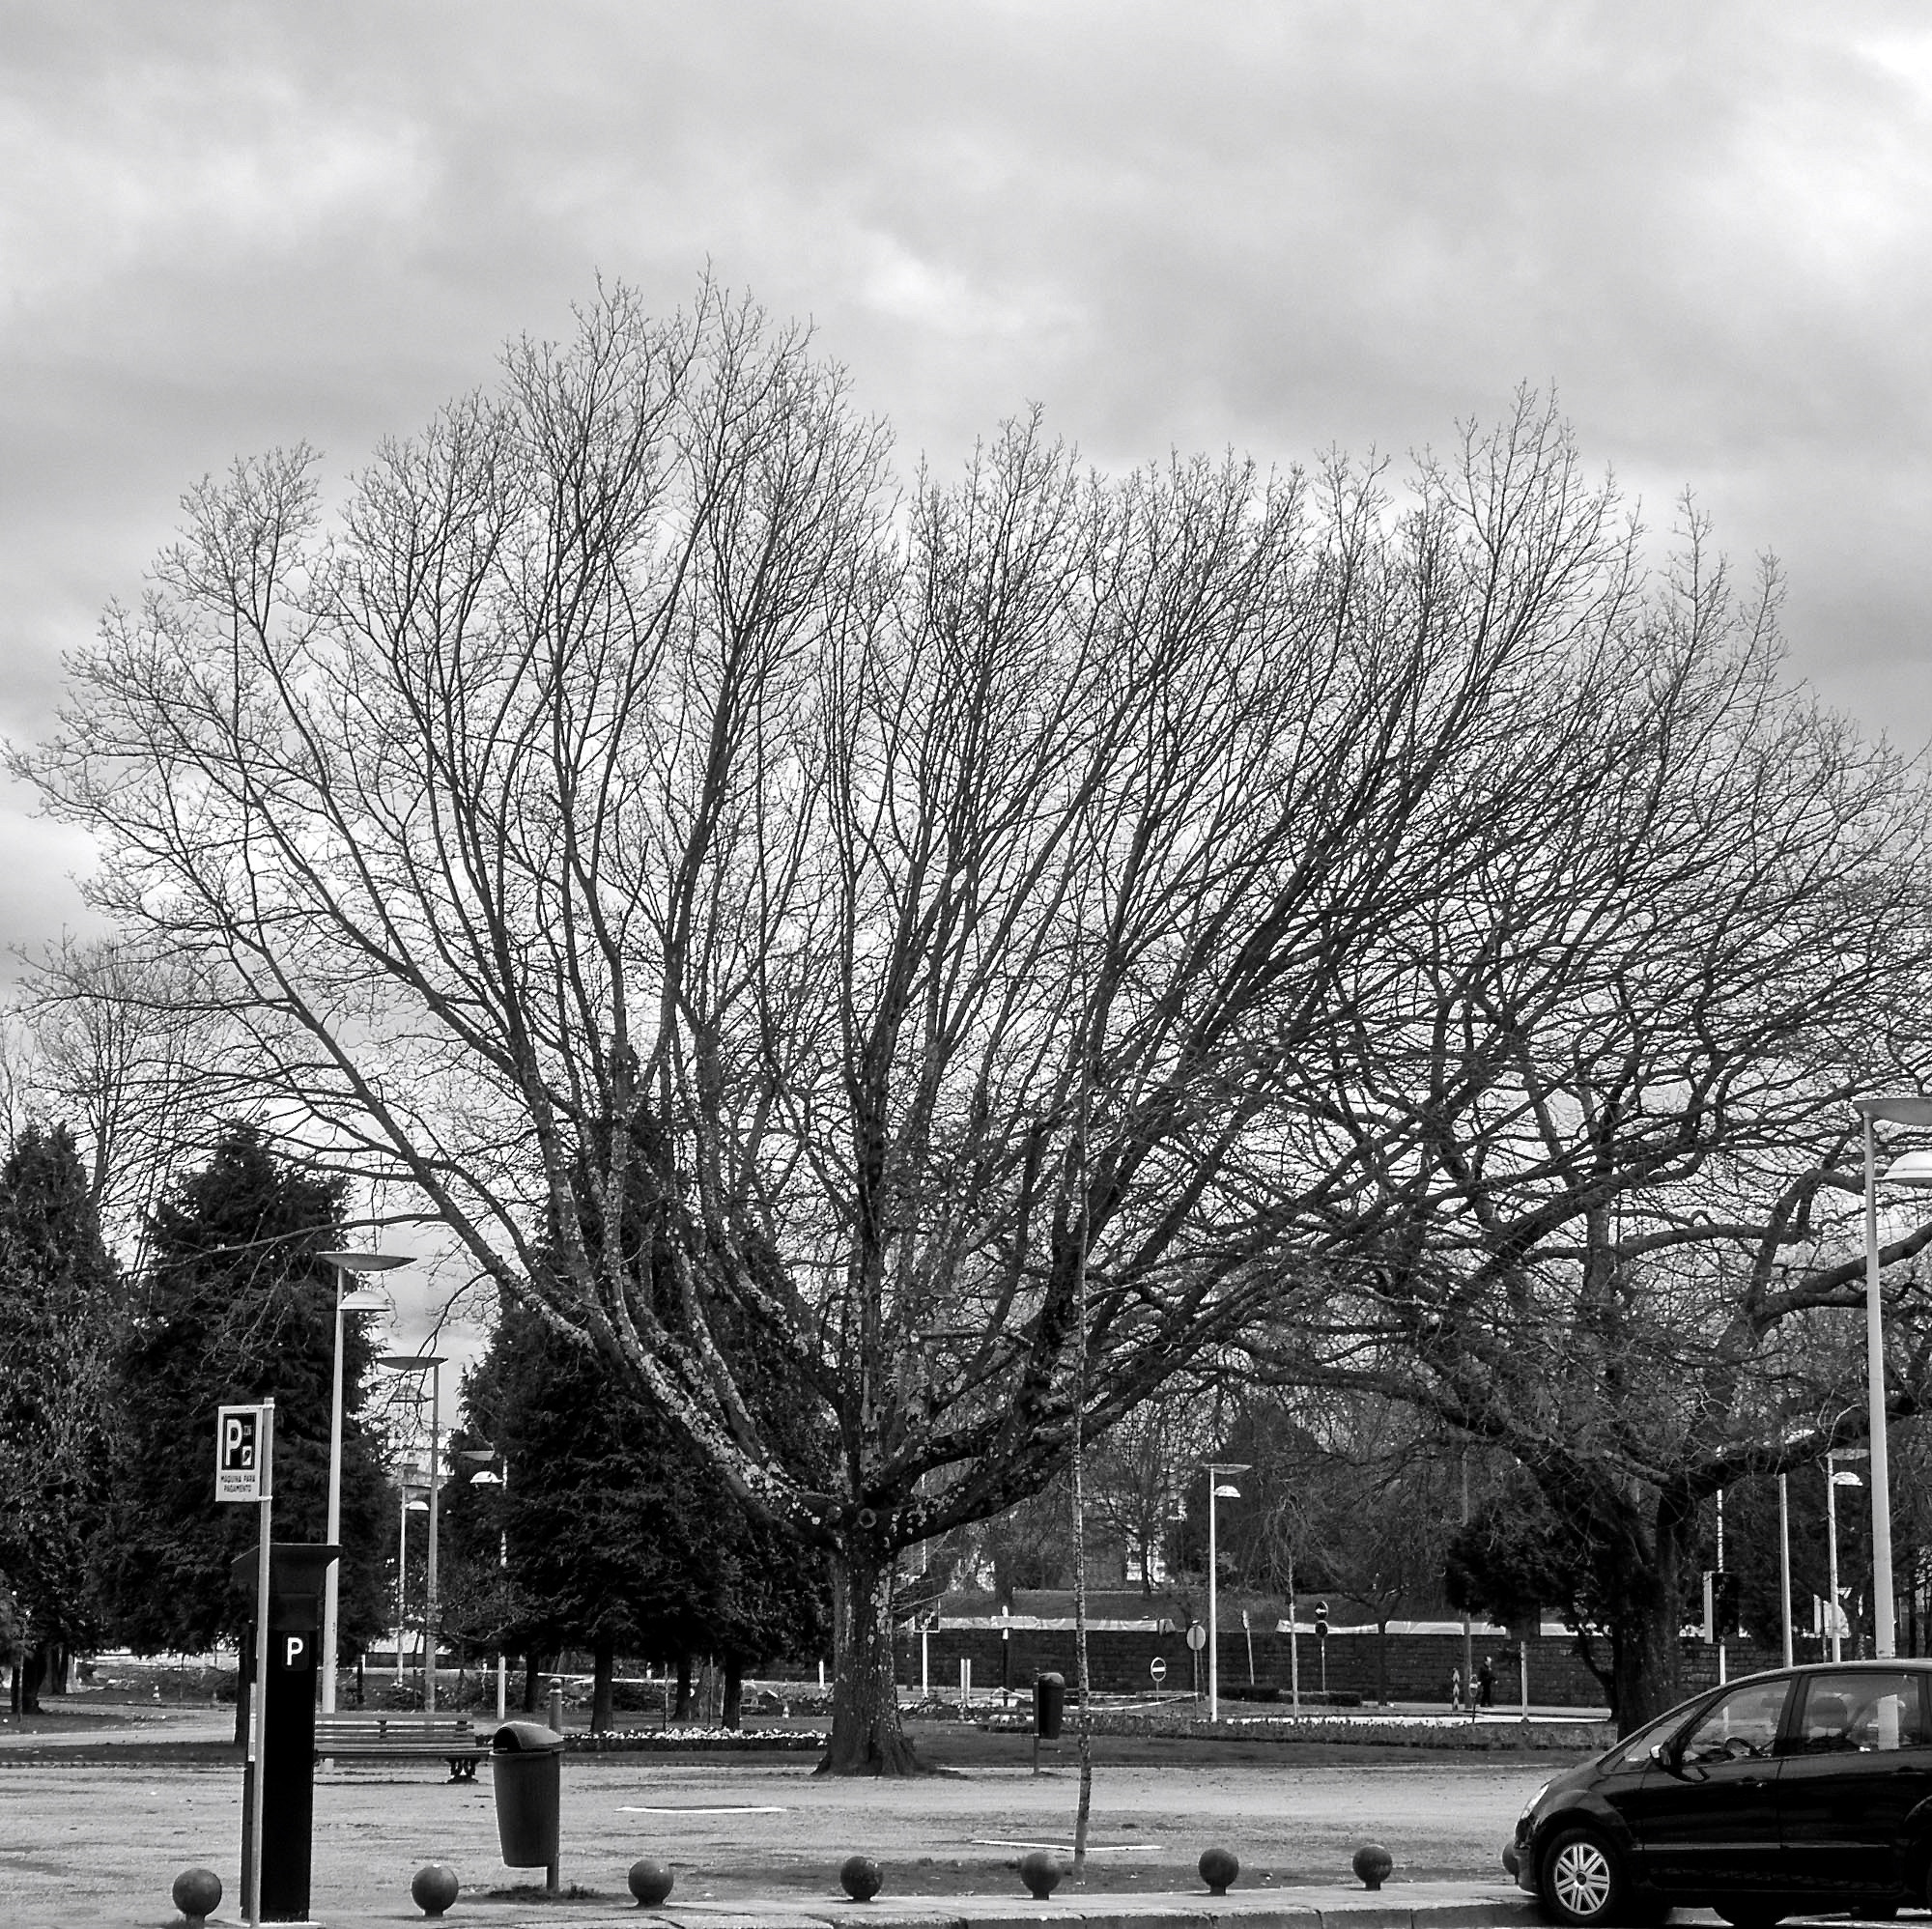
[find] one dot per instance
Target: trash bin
(527, 1767)
(1049, 1700)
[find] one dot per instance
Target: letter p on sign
(238, 1455)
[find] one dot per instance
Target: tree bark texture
(866, 1738)
(604, 1669)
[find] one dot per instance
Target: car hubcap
(1581, 1877)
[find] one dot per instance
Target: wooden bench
(385, 1738)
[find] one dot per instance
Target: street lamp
(1837, 1477)
(348, 1299)
(1913, 1169)
(404, 1511)
(432, 1363)
(485, 1478)
(1216, 1492)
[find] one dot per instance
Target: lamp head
(1910, 1168)
(365, 1261)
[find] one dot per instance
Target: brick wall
(1416, 1666)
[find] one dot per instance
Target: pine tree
(59, 1309)
(620, 1537)
(237, 1308)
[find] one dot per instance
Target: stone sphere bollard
(650, 1881)
(434, 1888)
(1218, 1869)
(1371, 1863)
(1041, 1871)
(197, 1894)
(860, 1877)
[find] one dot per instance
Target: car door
(1857, 1763)
(1705, 1818)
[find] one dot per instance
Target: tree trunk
(243, 1687)
(733, 1716)
(31, 1676)
(866, 1738)
(1646, 1658)
(532, 1668)
(681, 1710)
(603, 1669)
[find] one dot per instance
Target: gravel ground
(94, 1842)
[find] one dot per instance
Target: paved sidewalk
(1398, 1906)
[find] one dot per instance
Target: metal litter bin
(526, 1768)
(1049, 1701)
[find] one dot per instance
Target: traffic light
(1729, 1587)
(1721, 1589)
(1321, 1620)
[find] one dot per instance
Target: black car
(1804, 1791)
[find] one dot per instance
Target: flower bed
(695, 1740)
(1560, 1737)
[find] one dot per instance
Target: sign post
(244, 1459)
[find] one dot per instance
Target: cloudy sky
(1281, 226)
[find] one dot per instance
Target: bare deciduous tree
(1603, 1095)
(631, 825)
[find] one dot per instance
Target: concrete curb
(1426, 1906)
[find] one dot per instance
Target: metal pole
(403, 1574)
(1469, 1625)
(258, 1699)
(1213, 1618)
(1832, 1549)
(1883, 1641)
(504, 1567)
(430, 1602)
(1719, 1605)
(1784, 1559)
(334, 1535)
(1293, 1643)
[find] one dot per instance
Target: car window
(1740, 1727)
(1636, 1751)
(1867, 1712)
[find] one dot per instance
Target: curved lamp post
(348, 1299)
(1216, 1492)
(1913, 1169)
(1836, 1477)
(485, 1477)
(432, 1364)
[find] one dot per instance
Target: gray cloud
(225, 227)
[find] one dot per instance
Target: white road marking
(746, 1810)
(1066, 1848)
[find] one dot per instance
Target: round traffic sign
(1158, 1669)
(1197, 1637)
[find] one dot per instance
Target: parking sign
(238, 1459)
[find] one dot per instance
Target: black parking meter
(286, 1735)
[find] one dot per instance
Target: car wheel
(1584, 1882)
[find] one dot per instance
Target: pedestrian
(1485, 1685)
(1454, 1690)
